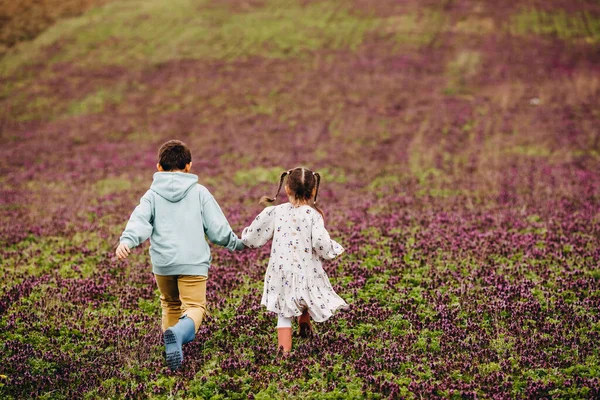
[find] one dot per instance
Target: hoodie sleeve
(216, 227)
(140, 224)
(322, 243)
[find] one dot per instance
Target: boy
(176, 214)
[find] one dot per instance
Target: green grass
(473, 25)
(56, 253)
(258, 174)
(464, 66)
(96, 102)
(559, 24)
(112, 185)
(415, 29)
(137, 32)
(273, 174)
(384, 181)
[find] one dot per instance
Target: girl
(295, 283)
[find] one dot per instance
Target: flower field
(459, 146)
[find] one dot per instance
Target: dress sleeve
(322, 243)
(261, 229)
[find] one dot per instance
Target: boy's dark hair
(301, 181)
(174, 155)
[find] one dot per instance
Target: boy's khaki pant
(179, 295)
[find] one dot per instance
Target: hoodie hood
(173, 186)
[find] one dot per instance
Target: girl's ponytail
(266, 200)
(318, 179)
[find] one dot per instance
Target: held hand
(123, 251)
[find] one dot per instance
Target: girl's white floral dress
(295, 279)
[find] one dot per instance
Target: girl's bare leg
(284, 339)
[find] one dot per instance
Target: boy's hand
(123, 251)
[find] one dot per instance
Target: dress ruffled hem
(313, 292)
(317, 315)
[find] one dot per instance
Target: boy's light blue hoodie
(176, 214)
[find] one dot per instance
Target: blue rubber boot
(175, 336)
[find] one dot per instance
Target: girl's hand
(123, 251)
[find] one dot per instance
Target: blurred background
(475, 99)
